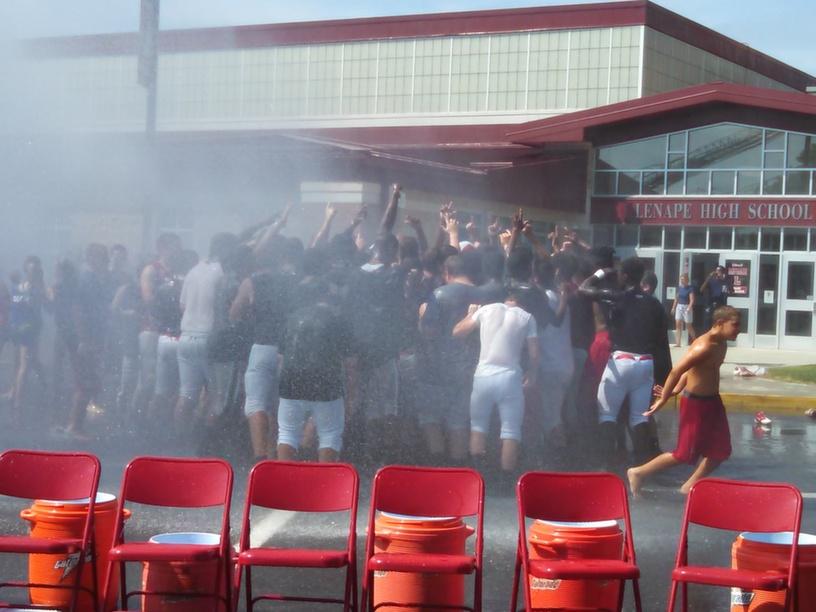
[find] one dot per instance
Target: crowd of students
(397, 350)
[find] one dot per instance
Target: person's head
(565, 266)
(632, 271)
(726, 321)
(649, 283)
(492, 264)
(386, 249)
(118, 257)
(65, 273)
(432, 262)
(720, 271)
(603, 257)
(520, 265)
(221, 246)
(96, 257)
(454, 268)
(684, 279)
(168, 245)
(32, 268)
(408, 248)
(341, 250)
(544, 273)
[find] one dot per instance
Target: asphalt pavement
(783, 452)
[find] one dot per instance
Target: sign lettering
(705, 212)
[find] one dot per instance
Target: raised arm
(539, 248)
(590, 288)
(390, 215)
(694, 357)
(515, 230)
(272, 230)
(323, 233)
(468, 324)
(416, 225)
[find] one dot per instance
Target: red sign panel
(715, 211)
(739, 272)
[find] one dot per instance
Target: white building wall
(671, 64)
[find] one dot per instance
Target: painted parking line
(268, 526)
(808, 495)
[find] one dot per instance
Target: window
(746, 238)
(719, 238)
(796, 239)
(695, 238)
(626, 235)
(770, 239)
(722, 159)
(651, 236)
(672, 237)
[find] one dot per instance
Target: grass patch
(799, 374)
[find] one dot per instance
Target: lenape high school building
(650, 132)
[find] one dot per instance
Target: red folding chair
(426, 492)
(178, 483)
(573, 497)
(300, 487)
(739, 506)
(56, 476)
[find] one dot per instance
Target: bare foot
(634, 482)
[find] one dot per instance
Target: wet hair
(520, 264)
(473, 265)
(565, 264)
(341, 248)
(408, 248)
(221, 245)
(492, 264)
(32, 260)
(239, 261)
(66, 272)
(650, 280)
(432, 262)
(386, 248)
(633, 269)
(455, 266)
(545, 272)
(725, 313)
(167, 240)
(603, 257)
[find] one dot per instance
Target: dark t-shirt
(95, 296)
(582, 321)
(273, 293)
(443, 353)
(64, 306)
(717, 291)
(375, 308)
(492, 292)
(315, 343)
(165, 311)
(684, 294)
(533, 300)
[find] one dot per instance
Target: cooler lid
(409, 517)
(187, 537)
(101, 498)
(784, 538)
(580, 524)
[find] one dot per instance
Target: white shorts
(682, 312)
(261, 379)
(626, 375)
(329, 418)
(503, 390)
(167, 369)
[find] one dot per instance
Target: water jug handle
(469, 530)
(28, 515)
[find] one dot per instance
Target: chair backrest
(177, 482)
(303, 487)
(572, 497)
(48, 475)
(421, 491)
(744, 506)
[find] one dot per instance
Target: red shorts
(703, 429)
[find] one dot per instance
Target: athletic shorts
(261, 379)
(682, 312)
(447, 404)
(167, 368)
(504, 391)
(379, 390)
(329, 418)
(702, 429)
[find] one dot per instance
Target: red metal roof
(605, 14)
(573, 127)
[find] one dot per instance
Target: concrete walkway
(747, 394)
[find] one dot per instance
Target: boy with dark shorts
(703, 428)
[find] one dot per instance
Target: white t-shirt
(503, 331)
(555, 343)
(198, 295)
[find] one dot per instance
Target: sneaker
(761, 419)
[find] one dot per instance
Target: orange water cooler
(412, 534)
(771, 551)
(180, 578)
(66, 519)
(557, 540)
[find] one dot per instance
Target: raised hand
(494, 227)
(331, 210)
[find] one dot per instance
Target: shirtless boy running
(703, 428)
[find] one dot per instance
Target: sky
(782, 29)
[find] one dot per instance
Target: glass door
(741, 270)
(767, 302)
(796, 310)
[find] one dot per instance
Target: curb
(777, 404)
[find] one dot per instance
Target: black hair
(221, 245)
(492, 264)
(545, 272)
(603, 257)
(520, 264)
(633, 269)
(386, 248)
(455, 266)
